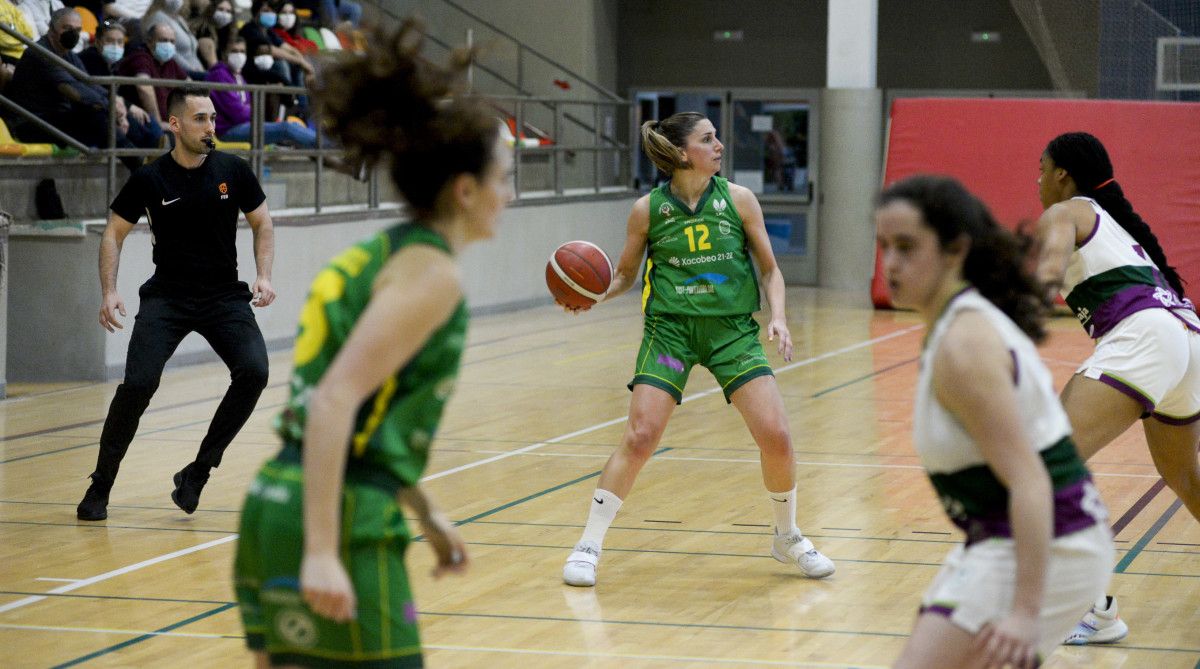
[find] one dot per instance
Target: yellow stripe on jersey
(382, 398)
(646, 284)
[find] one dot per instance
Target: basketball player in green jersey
(319, 571)
(699, 232)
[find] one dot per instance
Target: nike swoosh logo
(165, 202)
(779, 500)
(598, 501)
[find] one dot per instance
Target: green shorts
(727, 346)
(267, 578)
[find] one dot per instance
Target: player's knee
(252, 374)
(776, 439)
(640, 441)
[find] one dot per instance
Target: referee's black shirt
(193, 217)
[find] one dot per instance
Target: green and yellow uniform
(389, 449)
(700, 291)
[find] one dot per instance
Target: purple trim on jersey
(1126, 389)
(1069, 516)
(1127, 301)
(1016, 367)
(1171, 420)
(1095, 228)
(938, 610)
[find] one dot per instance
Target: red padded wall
(993, 147)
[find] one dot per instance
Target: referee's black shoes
(95, 501)
(189, 481)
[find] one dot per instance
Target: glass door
(771, 148)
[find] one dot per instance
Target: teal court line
(130, 642)
(137, 436)
(873, 374)
(1147, 537)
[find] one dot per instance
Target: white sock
(784, 504)
(603, 510)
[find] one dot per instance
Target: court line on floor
(116, 572)
(867, 465)
(148, 635)
(1147, 537)
(669, 658)
(139, 435)
(170, 600)
(1137, 506)
(73, 586)
(689, 398)
(104, 630)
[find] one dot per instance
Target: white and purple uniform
(978, 580)
(1147, 338)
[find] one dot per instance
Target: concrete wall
(54, 334)
(921, 44)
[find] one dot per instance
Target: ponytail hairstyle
(662, 140)
(391, 104)
(995, 263)
(1084, 158)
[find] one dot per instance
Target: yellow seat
(10, 146)
(234, 146)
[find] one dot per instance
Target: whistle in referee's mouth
(208, 141)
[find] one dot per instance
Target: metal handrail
(258, 149)
(522, 47)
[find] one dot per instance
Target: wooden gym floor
(686, 579)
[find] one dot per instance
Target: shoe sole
(1100, 638)
(178, 479)
(80, 516)
(788, 560)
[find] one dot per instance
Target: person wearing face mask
(212, 30)
(156, 60)
(101, 60)
(287, 61)
(49, 92)
(170, 13)
(233, 107)
(287, 30)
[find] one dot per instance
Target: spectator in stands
(133, 10)
(234, 111)
(213, 30)
(287, 61)
(49, 92)
(11, 48)
(38, 12)
(333, 12)
(99, 60)
(169, 12)
(288, 30)
(155, 60)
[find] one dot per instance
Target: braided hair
(1084, 158)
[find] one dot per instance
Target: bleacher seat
(10, 147)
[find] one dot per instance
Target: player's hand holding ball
(578, 274)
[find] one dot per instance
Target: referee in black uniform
(190, 197)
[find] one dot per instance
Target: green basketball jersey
(394, 426)
(698, 263)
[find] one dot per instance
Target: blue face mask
(112, 52)
(164, 51)
(267, 19)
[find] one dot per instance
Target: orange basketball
(578, 274)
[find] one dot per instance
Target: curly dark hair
(995, 264)
(1084, 158)
(390, 103)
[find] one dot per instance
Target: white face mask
(286, 21)
(237, 61)
(264, 62)
(222, 19)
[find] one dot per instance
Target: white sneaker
(580, 569)
(797, 549)
(1099, 626)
